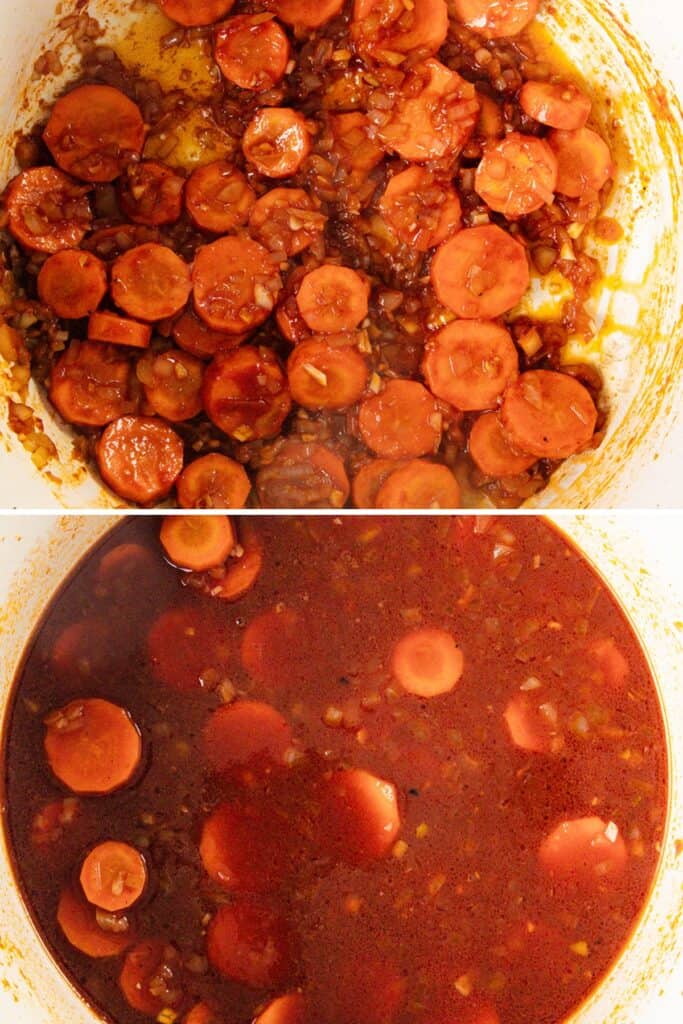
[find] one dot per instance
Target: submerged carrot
(197, 543)
(114, 876)
(427, 662)
(78, 921)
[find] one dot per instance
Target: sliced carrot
(470, 363)
(517, 175)
(236, 285)
(421, 210)
(496, 19)
(110, 243)
(403, 421)
(369, 479)
(472, 1010)
(333, 298)
(480, 273)
(303, 14)
(173, 383)
(77, 656)
(557, 104)
(91, 385)
(197, 543)
(384, 31)
(327, 375)
(246, 734)
(72, 284)
(151, 978)
(290, 322)
(363, 989)
(584, 162)
(140, 458)
(248, 943)
(246, 393)
(194, 336)
(584, 850)
(114, 876)
(252, 52)
(150, 282)
(427, 662)
(419, 484)
(356, 151)
(46, 211)
(49, 823)
(288, 1009)
(239, 574)
(119, 330)
(150, 193)
(303, 474)
(126, 565)
(612, 664)
(532, 725)
(218, 197)
(240, 850)
(268, 644)
(78, 921)
(192, 13)
(92, 746)
(286, 221)
(181, 647)
(548, 414)
(490, 451)
(360, 818)
(94, 132)
(202, 1013)
(213, 481)
(277, 141)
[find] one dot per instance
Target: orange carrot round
(557, 104)
(91, 384)
(118, 330)
(46, 211)
(333, 298)
(480, 272)
(276, 141)
(197, 543)
(150, 282)
(419, 484)
(193, 13)
(470, 363)
(360, 817)
(239, 849)
(252, 52)
(173, 383)
(368, 480)
(72, 283)
(490, 451)
(548, 414)
(496, 19)
(151, 978)
(113, 876)
(140, 458)
(286, 220)
(246, 734)
(584, 162)
(213, 481)
(194, 336)
(422, 210)
(236, 284)
(78, 921)
(150, 193)
(303, 474)
(240, 574)
(584, 851)
(427, 662)
(303, 13)
(517, 175)
(246, 393)
(248, 943)
(327, 373)
(92, 746)
(288, 1009)
(218, 197)
(403, 421)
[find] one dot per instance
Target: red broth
(312, 824)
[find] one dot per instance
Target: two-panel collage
(341, 512)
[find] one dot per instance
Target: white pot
(633, 49)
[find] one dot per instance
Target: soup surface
(415, 773)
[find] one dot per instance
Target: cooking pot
(629, 51)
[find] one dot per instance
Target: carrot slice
(125, 566)
(303, 475)
(240, 850)
(368, 480)
(114, 876)
(419, 484)
(72, 283)
(427, 662)
(517, 175)
(356, 151)
(140, 458)
(248, 942)
(584, 850)
(491, 452)
(46, 211)
(550, 415)
(360, 990)
(78, 921)
(239, 574)
(383, 31)
(557, 104)
(151, 978)
(94, 132)
(119, 330)
(150, 282)
(286, 221)
(197, 543)
(420, 209)
(202, 1013)
(360, 819)
(403, 421)
(92, 746)
(246, 734)
(470, 363)
(584, 162)
(218, 197)
(612, 664)
(194, 336)
(480, 273)
(50, 822)
(213, 481)
(327, 375)
(303, 14)
(252, 52)
(181, 646)
(288, 1009)
(150, 193)
(333, 298)
(533, 725)
(246, 393)
(236, 285)
(173, 383)
(270, 642)
(193, 13)
(78, 655)
(496, 19)
(277, 141)
(90, 385)
(471, 1010)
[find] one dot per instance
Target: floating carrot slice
(194, 336)
(113, 876)
(119, 330)
(236, 285)
(192, 13)
(584, 162)
(357, 990)
(173, 383)
(496, 19)
(181, 646)
(480, 273)
(419, 484)
(78, 921)
(50, 822)
(327, 374)
(289, 1009)
(252, 52)
(246, 734)
(239, 849)
(110, 243)
(197, 543)
(384, 31)
(369, 479)
(239, 574)
(550, 415)
(353, 147)
(517, 175)
(532, 725)
(202, 1013)
(333, 298)
(403, 421)
(303, 14)
(140, 458)
(94, 132)
(286, 221)
(72, 284)
(360, 819)
(427, 662)
(584, 850)
(612, 664)
(150, 282)
(213, 481)
(152, 977)
(90, 385)
(490, 451)
(246, 393)
(46, 211)
(270, 643)
(151, 193)
(303, 475)
(218, 197)
(557, 104)
(470, 363)
(92, 746)
(248, 942)
(276, 141)
(422, 211)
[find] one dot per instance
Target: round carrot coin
(584, 162)
(360, 818)
(72, 284)
(150, 282)
(369, 479)
(91, 384)
(246, 734)
(202, 1013)
(303, 474)
(240, 850)
(151, 194)
(92, 746)
(173, 383)
(46, 211)
(248, 943)
(213, 481)
(286, 221)
(119, 330)
(325, 375)
(419, 484)
(252, 52)
(113, 876)
(490, 451)
(403, 421)
(427, 662)
(78, 921)
(50, 822)
(246, 394)
(197, 543)
(94, 132)
(288, 1009)
(303, 14)
(236, 285)
(218, 197)
(470, 363)
(382, 31)
(550, 415)
(194, 336)
(517, 175)
(239, 574)
(419, 209)
(181, 646)
(276, 141)
(610, 662)
(356, 152)
(496, 19)
(193, 13)
(584, 850)
(333, 298)
(480, 273)
(151, 978)
(140, 458)
(531, 728)
(557, 104)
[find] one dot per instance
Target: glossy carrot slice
(94, 132)
(72, 284)
(218, 197)
(239, 849)
(356, 151)
(150, 282)
(173, 383)
(252, 51)
(480, 273)
(90, 385)
(151, 978)
(610, 661)
(114, 876)
(557, 104)
(197, 543)
(303, 14)
(360, 818)
(213, 481)
(246, 734)
(202, 1013)
(470, 363)
(246, 394)
(150, 193)
(239, 574)
(181, 646)
(427, 662)
(403, 421)
(288, 1009)
(368, 480)
(119, 330)
(384, 32)
(236, 285)
(303, 474)
(420, 209)
(584, 851)
(46, 211)
(196, 12)
(92, 746)
(248, 942)
(333, 298)
(490, 451)
(49, 823)
(286, 221)
(140, 458)
(194, 336)
(327, 375)
(533, 725)
(419, 484)
(548, 414)
(78, 921)
(276, 141)
(517, 175)
(496, 19)
(584, 162)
